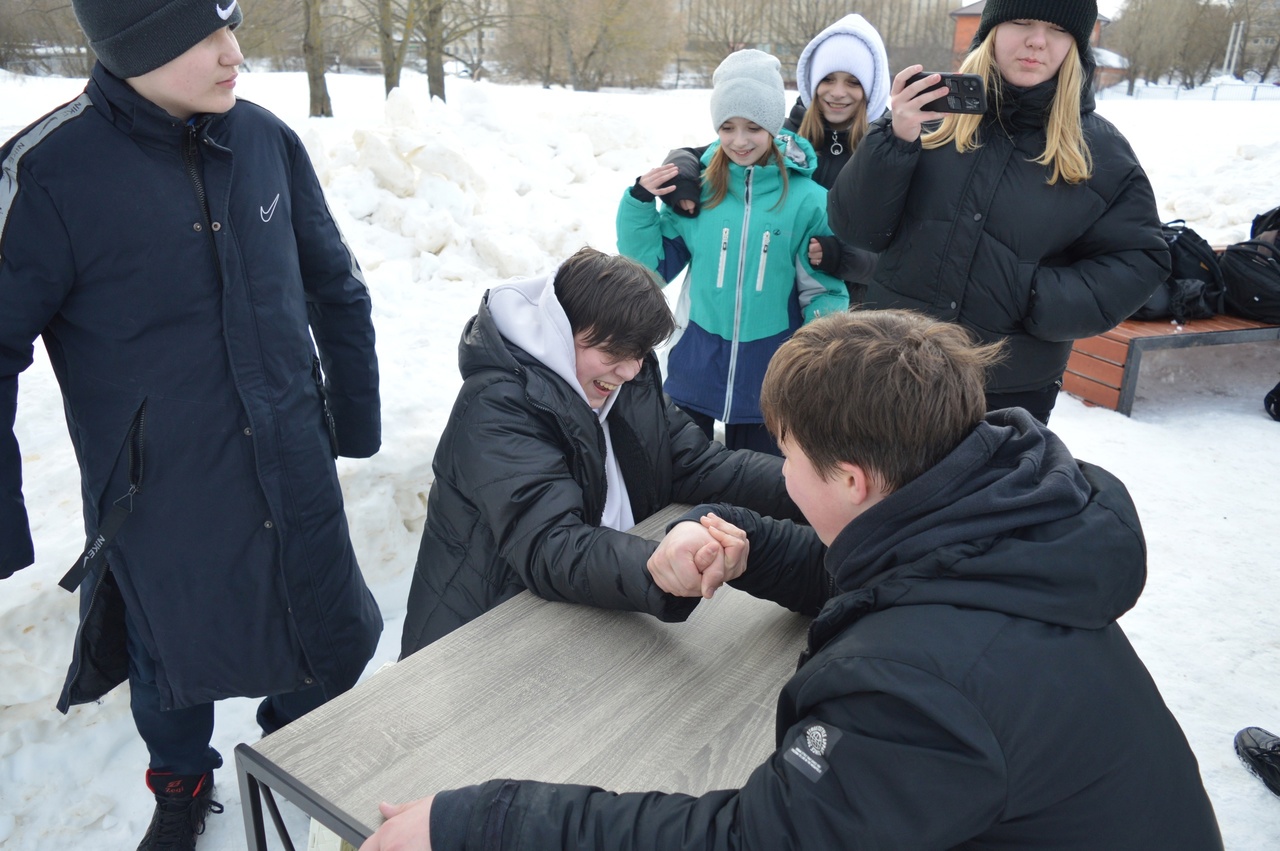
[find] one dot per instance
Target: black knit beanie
(1075, 16)
(132, 37)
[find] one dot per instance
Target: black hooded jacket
(966, 686)
(982, 239)
(520, 489)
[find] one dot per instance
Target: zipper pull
(764, 261)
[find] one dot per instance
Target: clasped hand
(694, 559)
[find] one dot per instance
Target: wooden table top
(559, 692)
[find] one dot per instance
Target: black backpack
(1252, 274)
(1268, 221)
(1195, 287)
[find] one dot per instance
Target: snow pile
(439, 202)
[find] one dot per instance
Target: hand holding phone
(963, 93)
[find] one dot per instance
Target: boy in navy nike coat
(174, 250)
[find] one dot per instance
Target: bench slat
(1096, 369)
(1091, 391)
(1104, 347)
(1103, 370)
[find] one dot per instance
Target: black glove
(831, 251)
(639, 193)
(686, 190)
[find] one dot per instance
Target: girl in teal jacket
(750, 284)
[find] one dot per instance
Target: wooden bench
(1103, 370)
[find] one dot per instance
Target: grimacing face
(599, 372)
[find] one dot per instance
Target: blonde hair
(1065, 149)
(716, 176)
(813, 126)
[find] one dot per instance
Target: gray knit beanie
(748, 84)
(132, 37)
(1075, 16)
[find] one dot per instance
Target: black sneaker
(1260, 753)
(182, 803)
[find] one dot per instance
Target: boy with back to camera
(173, 248)
(965, 684)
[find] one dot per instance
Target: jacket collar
(967, 533)
(133, 114)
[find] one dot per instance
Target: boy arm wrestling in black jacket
(560, 440)
(965, 684)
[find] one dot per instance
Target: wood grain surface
(559, 692)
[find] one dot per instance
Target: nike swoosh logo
(268, 212)
(226, 13)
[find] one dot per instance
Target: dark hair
(615, 301)
(889, 390)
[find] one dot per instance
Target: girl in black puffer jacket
(1033, 223)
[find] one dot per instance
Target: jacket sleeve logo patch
(809, 748)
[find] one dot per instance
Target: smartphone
(958, 93)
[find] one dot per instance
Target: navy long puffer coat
(178, 274)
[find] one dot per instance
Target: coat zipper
(191, 159)
(568, 441)
(737, 296)
(121, 507)
(75, 675)
(764, 259)
(724, 254)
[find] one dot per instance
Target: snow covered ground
(440, 201)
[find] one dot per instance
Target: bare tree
(313, 53)
(589, 43)
(920, 31)
(913, 30)
(272, 33)
(470, 23)
(529, 48)
(1207, 27)
(793, 26)
(1149, 34)
(43, 37)
(393, 49)
(1260, 37)
(717, 28)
